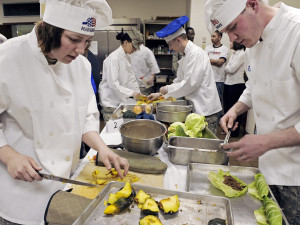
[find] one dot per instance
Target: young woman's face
(72, 45)
(128, 47)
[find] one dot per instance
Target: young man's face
(215, 38)
(245, 29)
(174, 45)
(190, 35)
(72, 44)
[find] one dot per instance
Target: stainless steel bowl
(185, 150)
(177, 102)
(172, 113)
(142, 136)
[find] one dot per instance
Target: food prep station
(184, 177)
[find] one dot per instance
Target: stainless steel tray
(242, 207)
(118, 113)
(190, 211)
(185, 150)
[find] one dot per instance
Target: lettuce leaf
(259, 188)
(260, 216)
(195, 123)
(273, 212)
(217, 180)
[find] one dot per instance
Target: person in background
(145, 67)
(234, 80)
(195, 80)
(118, 79)
(43, 123)
(218, 54)
(2, 38)
(190, 33)
(272, 34)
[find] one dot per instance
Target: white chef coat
(273, 91)
(195, 81)
(218, 53)
(235, 68)
(44, 110)
(118, 80)
(144, 64)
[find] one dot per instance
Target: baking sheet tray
(242, 207)
(190, 211)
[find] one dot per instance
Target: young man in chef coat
(195, 80)
(47, 107)
(273, 90)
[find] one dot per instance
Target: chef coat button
(68, 158)
(273, 118)
(68, 131)
(51, 133)
(257, 114)
(254, 82)
(266, 84)
(51, 104)
(52, 162)
(270, 45)
(68, 101)
(38, 144)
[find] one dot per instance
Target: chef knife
(64, 180)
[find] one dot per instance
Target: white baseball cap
(81, 16)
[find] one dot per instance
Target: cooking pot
(142, 136)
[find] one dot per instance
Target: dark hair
(219, 33)
(188, 28)
(237, 46)
(49, 37)
(123, 37)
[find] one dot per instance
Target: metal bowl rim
(144, 139)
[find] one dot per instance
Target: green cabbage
(195, 123)
(273, 212)
(177, 129)
(259, 188)
(260, 216)
(217, 180)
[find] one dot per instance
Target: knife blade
(64, 180)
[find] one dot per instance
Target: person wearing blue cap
(195, 79)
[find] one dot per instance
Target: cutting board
(85, 175)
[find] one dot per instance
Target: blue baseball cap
(173, 29)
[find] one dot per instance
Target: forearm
(217, 62)
(283, 138)
(93, 140)
(239, 107)
(6, 153)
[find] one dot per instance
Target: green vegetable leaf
(260, 216)
(273, 212)
(195, 123)
(179, 131)
(217, 180)
(259, 188)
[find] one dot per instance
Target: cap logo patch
(89, 25)
(216, 23)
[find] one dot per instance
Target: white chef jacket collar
(188, 47)
(273, 23)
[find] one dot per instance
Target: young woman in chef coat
(47, 107)
(118, 78)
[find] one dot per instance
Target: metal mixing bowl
(142, 136)
(172, 113)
